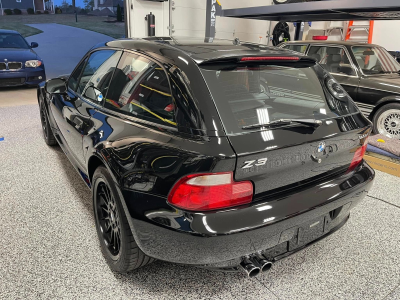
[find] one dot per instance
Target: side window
(140, 88)
(297, 48)
(333, 59)
(74, 78)
(97, 74)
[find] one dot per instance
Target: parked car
(367, 72)
(19, 63)
(225, 155)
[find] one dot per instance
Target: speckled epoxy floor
(49, 247)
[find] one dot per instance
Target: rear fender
(384, 101)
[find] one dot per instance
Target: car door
(73, 112)
(337, 61)
(138, 123)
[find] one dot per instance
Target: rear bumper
(275, 227)
(22, 77)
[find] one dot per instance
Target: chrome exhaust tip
(264, 264)
(249, 268)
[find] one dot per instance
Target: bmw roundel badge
(321, 147)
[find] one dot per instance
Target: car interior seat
(334, 59)
(316, 56)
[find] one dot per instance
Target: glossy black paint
(146, 159)
(370, 92)
(30, 76)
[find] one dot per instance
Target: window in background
(333, 59)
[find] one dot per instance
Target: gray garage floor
(62, 47)
(49, 247)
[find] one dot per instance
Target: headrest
(316, 56)
(336, 58)
(331, 51)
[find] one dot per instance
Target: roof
(9, 31)
(340, 43)
(199, 50)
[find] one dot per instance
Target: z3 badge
(251, 163)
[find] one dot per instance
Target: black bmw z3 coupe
(225, 155)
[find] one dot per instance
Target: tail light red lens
(268, 58)
(358, 157)
(202, 192)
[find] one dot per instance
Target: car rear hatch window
(288, 121)
(247, 94)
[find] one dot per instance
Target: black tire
(280, 33)
(46, 128)
(112, 224)
(387, 112)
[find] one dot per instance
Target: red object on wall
(320, 37)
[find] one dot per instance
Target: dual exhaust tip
(254, 265)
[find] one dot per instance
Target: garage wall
(138, 9)
(385, 34)
(189, 19)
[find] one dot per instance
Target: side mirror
(368, 52)
(34, 45)
(347, 69)
(93, 93)
(56, 86)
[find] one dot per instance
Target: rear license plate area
(307, 233)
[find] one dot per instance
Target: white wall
(189, 19)
(386, 35)
(244, 29)
(137, 11)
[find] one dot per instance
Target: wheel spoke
(118, 241)
(107, 218)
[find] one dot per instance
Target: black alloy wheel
(47, 131)
(117, 243)
(108, 219)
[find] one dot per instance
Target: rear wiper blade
(283, 122)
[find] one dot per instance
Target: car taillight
(268, 58)
(202, 192)
(358, 157)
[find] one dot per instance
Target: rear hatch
(251, 92)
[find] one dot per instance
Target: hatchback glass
(258, 94)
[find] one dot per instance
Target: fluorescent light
(184, 60)
(206, 225)
(269, 219)
(265, 207)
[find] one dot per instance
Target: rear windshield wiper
(283, 122)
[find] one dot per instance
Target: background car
(19, 63)
(368, 73)
(208, 157)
